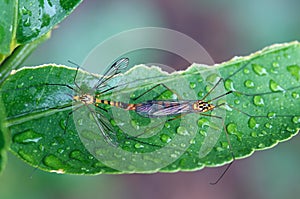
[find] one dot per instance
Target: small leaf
(36, 18)
(25, 21)
(8, 17)
(262, 110)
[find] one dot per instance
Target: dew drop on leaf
(252, 123)
(165, 138)
(249, 84)
(182, 131)
(296, 120)
(229, 85)
(258, 100)
(259, 70)
(274, 86)
(28, 136)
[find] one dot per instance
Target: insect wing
(113, 70)
(172, 110)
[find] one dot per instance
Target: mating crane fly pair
(150, 109)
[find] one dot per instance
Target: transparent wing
(113, 70)
(172, 110)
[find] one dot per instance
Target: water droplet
(271, 115)
(232, 129)
(258, 100)
(200, 94)
(237, 101)
(183, 145)
(208, 88)
(113, 122)
(258, 69)
(135, 124)
(262, 133)
(246, 71)
(274, 71)
(249, 84)
(26, 11)
(268, 125)
(294, 70)
(253, 134)
(138, 146)
(60, 150)
(203, 133)
(291, 130)
(183, 162)
(90, 135)
(41, 147)
(26, 156)
(28, 136)
(261, 145)
(132, 95)
(192, 85)
(287, 56)
(252, 123)
(203, 122)
(275, 64)
(167, 125)
(219, 149)
(165, 138)
(296, 120)
(20, 85)
(77, 155)
(224, 105)
(192, 141)
(27, 22)
(174, 155)
(274, 86)
(213, 78)
(182, 130)
(62, 124)
(80, 122)
(225, 145)
(45, 20)
(295, 95)
(54, 162)
(229, 85)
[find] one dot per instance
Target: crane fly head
(201, 106)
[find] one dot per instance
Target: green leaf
(36, 18)
(262, 110)
(24, 21)
(8, 17)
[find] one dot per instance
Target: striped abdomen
(122, 105)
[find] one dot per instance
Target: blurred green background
(225, 29)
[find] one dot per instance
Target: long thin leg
(161, 84)
(68, 117)
(100, 124)
(75, 76)
(233, 158)
(153, 127)
(207, 94)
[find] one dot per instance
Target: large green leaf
(263, 110)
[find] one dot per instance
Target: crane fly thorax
(84, 98)
(201, 106)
